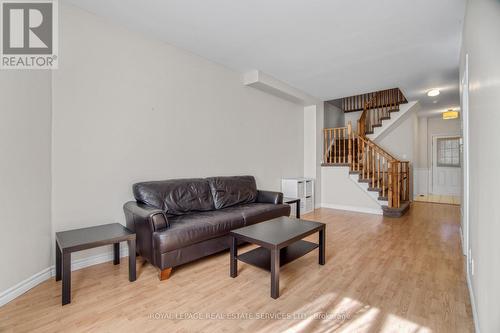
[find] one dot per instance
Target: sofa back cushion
(176, 196)
(231, 191)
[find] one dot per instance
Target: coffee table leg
(58, 262)
(233, 263)
(275, 272)
(116, 253)
(131, 260)
(297, 212)
(66, 278)
(322, 246)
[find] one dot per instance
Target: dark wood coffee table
(280, 242)
(87, 238)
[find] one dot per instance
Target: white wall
(340, 192)
(313, 146)
(421, 169)
(352, 117)
(25, 141)
(401, 141)
(310, 141)
(128, 109)
(436, 126)
(334, 116)
(481, 43)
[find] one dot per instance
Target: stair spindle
(384, 170)
(373, 168)
(349, 134)
(378, 171)
(344, 151)
(398, 197)
(334, 146)
(389, 180)
(330, 144)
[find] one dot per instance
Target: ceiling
(327, 48)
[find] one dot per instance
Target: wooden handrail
(378, 107)
(357, 102)
(377, 147)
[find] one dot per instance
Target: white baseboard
(420, 181)
(367, 210)
(475, 318)
(49, 272)
(469, 284)
(23, 286)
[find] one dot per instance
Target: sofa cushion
(260, 212)
(196, 227)
(230, 191)
(176, 196)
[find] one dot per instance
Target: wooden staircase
(384, 174)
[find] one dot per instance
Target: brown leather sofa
(181, 220)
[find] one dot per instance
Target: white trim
(466, 188)
(354, 208)
(465, 158)
(45, 274)
(462, 245)
(475, 318)
(268, 84)
(23, 286)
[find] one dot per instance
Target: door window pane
(448, 152)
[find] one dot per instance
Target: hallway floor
(442, 199)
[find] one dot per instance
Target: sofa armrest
(144, 220)
(269, 197)
(154, 217)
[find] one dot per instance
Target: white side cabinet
(302, 188)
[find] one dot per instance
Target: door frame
(464, 209)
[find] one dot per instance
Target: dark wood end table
(295, 201)
(280, 242)
(71, 241)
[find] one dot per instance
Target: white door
(446, 165)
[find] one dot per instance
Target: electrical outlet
(471, 262)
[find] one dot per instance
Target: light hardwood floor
(443, 199)
(381, 275)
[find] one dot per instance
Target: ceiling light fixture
(433, 92)
(450, 114)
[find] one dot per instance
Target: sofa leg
(165, 273)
